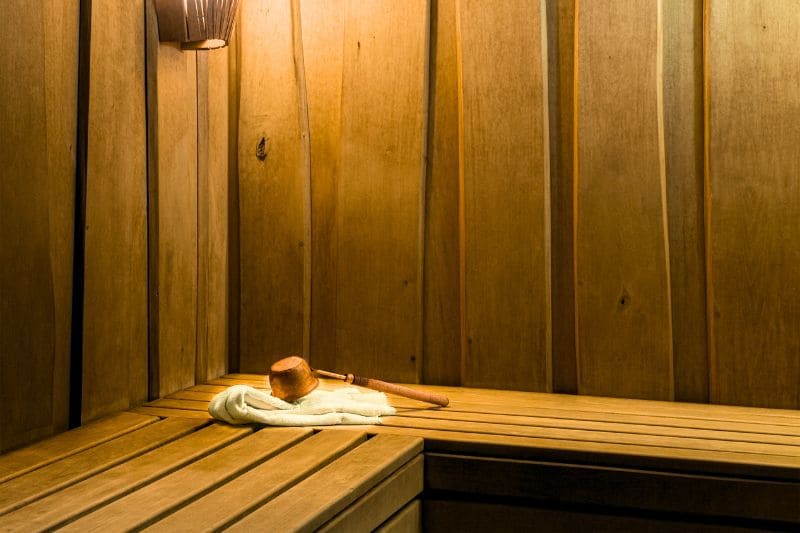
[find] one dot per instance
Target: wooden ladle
(291, 378)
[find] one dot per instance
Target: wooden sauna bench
(493, 460)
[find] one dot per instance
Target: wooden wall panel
(323, 41)
(38, 111)
(115, 328)
(212, 220)
(271, 191)
(61, 69)
(624, 334)
(380, 189)
(203, 234)
(561, 77)
(441, 358)
(172, 109)
(683, 143)
(234, 273)
(505, 172)
(753, 201)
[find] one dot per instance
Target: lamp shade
(196, 24)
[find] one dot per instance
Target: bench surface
(167, 466)
(135, 471)
(612, 431)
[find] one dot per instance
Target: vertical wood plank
(323, 41)
(203, 199)
(565, 371)
(380, 191)
(441, 359)
(234, 273)
(61, 60)
(753, 201)
(27, 312)
(624, 337)
(305, 164)
(683, 142)
(271, 194)
(213, 254)
(115, 327)
(505, 172)
(174, 200)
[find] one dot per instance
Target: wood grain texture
(406, 520)
(505, 177)
(547, 413)
(688, 440)
(115, 300)
(38, 165)
(164, 496)
(729, 498)
(261, 484)
(61, 59)
(582, 404)
(318, 498)
(203, 237)
(378, 505)
(271, 192)
(323, 41)
(683, 144)
(304, 127)
(81, 498)
(753, 202)
(600, 453)
(562, 82)
(380, 194)
(624, 334)
(75, 468)
(14, 464)
(212, 220)
(174, 124)
(234, 273)
(441, 359)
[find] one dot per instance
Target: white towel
(241, 404)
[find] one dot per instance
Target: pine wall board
(380, 189)
(212, 219)
(683, 146)
(622, 289)
(441, 359)
(271, 190)
(173, 177)
(561, 40)
(753, 201)
(233, 250)
(323, 41)
(115, 298)
(555, 234)
(38, 111)
(61, 68)
(504, 157)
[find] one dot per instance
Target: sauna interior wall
(155, 263)
(585, 197)
(576, 196)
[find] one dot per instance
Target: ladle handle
(400, 390)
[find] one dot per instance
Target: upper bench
(696, 461)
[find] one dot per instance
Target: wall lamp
(196, 24)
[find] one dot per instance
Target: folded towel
(241, 404)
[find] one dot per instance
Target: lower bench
(180, 474)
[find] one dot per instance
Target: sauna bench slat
(167, 466)
(190, 474)
(695, 438)
(577, 450)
